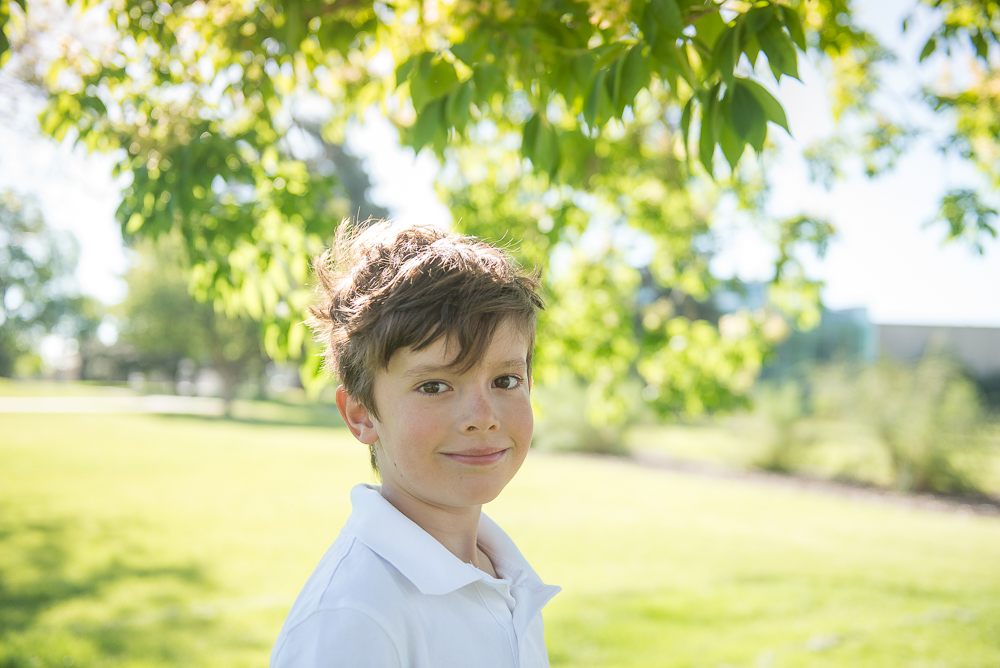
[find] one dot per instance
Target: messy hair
(383, 287)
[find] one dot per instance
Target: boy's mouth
(478, 456)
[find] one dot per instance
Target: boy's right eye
(433, 387)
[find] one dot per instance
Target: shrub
(780, 408)
(565, 419)
(928, 417)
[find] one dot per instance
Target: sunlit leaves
(697, 369)
(978, 25)
(5, 17)
(976, 109)
(590, 106)
(612, 318)
(597, 69)
(968, 217)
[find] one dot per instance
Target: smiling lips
(478, 457)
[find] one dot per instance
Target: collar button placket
(497, 607)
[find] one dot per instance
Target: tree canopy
(602, 135)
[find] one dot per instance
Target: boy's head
(384, 288)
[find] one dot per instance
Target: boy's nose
(480, 414)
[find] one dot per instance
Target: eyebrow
(434, 369)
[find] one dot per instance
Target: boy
(431, 335)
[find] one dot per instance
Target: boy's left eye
(507, 382)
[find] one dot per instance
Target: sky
(883, 258)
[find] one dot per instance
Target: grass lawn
(138, 540)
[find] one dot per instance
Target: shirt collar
(423, 560)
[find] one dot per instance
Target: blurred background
(767, 381)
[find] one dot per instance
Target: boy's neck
(455, 528)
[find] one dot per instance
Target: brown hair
(383, 287)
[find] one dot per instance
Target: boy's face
(445, 438)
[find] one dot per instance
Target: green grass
(140, 540)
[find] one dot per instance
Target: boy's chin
(477, 494)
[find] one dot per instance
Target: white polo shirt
(387, 594)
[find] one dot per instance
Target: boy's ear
(356, 416)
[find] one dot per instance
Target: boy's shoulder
(350, 575)
(352, 595)
(377, 565)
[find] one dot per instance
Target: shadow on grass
(69, 596)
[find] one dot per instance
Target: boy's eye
(433, 387)
(507, 382)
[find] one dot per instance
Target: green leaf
(772, 108)
(583, 67)
(732, 145)
(529, 136)
(468, 51)
(648, 26)
(428, 121)
(608, 54)
(928, 49)
(755, 19)
(710, 118)
(686, 123)
(457, 106)
(488, 80)
(757, 135)
(726, 52)
(745, 111)
(540, 144)
(709, 27)
(442, 78)
(745, 115)
(982, 47)
(547, 150)
(668, 55)
(614, 84)
(418, 69)
(635, 74)
(572, 78)
(596, 101)
(751, 47)
(793, 22)
(668, 17)
(780, 51)
(525, 37)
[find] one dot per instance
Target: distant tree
(165, 324)
(38, 292)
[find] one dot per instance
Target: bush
(565, 420)
(780, 409)
(928, 417)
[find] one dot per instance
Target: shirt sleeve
(336, 638)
